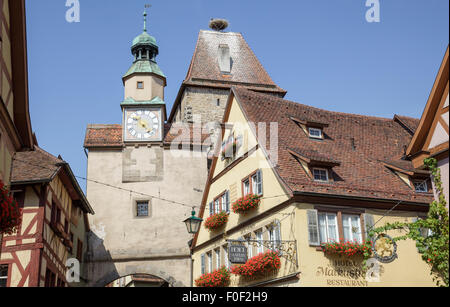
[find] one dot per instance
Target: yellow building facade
(289, 205)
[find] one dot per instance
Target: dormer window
(320, 174)
(420, 186)
(315, 133)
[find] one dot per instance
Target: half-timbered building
(54, 223)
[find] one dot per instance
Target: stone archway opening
(138, 281)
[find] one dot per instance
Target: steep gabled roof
(356, 147)
(246, 69)
(39, 166)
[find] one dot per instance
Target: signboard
(238, 254)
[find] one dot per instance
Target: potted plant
(216, 221)
(258, 265)
(219, 278)
(246, 203)
(10, 213)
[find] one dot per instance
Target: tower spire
(145, 16)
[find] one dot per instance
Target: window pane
(246, 187)
(332, 227)
(225, 257)
(323, 228)
(356, 228)
(347, 228)
(259, 238)
(3, 275)
(142, 209)
(217, 259)
(255, 184)
(217, 206)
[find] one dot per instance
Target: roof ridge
(314, 108)
(42, 151)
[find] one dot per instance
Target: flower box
(246, 203)
(219, 278)
(258, 265)
(216, 221)
(10, 212)
(347, 249)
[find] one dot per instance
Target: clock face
(142, 125)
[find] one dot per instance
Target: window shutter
(313, 228)
(368, 224)
(211, 208)
(227, 201)
(203, 264)
(259, 183)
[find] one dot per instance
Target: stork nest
(218, 24)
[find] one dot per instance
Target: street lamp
(193, 223)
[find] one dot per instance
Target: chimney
(224, 58)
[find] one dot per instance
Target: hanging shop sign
(385, 249)
(238, 254)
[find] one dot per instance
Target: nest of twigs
(218, 24)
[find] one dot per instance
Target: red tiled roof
(246, 68)
(359, 143)
(110, 136)
(103, 136)
(34, 166)
(408, 122)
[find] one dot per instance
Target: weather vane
(145, 16)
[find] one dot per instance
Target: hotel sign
(238, 254)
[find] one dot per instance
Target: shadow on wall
(102, 270)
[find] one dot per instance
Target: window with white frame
(253, 184)
(203, 260)
(221, 203)
(259, 239)
(275, 235)
(210, 262)
(225, 257)
(315, 133)
(217, 254)
(421, 186)
(320, 174)
(3, 276)
(246, 187)
(328, 227)
(351, 225)
(249, 246)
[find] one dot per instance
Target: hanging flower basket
(347, 249)
(216, 221)
(216, 279)
(246, 203)
(258, 265)
(10, 213)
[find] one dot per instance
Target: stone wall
(208, 103)
(119, 239)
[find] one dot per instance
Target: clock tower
(144, 109)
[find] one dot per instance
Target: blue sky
(323, 52)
